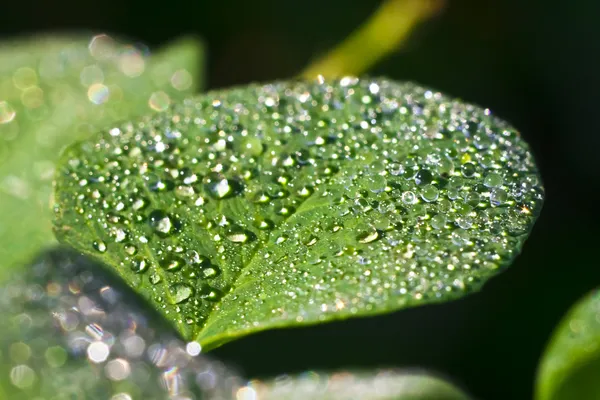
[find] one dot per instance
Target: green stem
(381, 34)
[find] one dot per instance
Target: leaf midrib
(299, 211)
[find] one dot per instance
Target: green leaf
(570, 365)
(382, 385)
(297, 203)
(54, 90)
(72, 331)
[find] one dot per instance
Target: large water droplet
(162, 223)
(172, 263)
(180, 292)
(99, 246)
(140, 265)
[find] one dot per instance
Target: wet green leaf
(54, 90)
(297, 203)
(382, 385)
(571, 363)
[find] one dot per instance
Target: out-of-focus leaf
(297, 203)
(570, 367)
(55, 90)
(381, 385)
(71, 331)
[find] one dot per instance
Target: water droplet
(221, 188)
(162, 223)
(139, 204)
(210, 272)
(306, 191)
(498, 196)
(368, 236)
(154, 278)
(240, 236)
(493, 180)
(184, 192)
(438, 222)
(100, 246)
(423, 177)
(409, 198)
(376, 183)
(468, 170)
(180, 292)
(140, 265)
(396, 169)
(253, 146)
(172, 263)
(209, 293)
(429, 193)
(197, 259)
(157, 184)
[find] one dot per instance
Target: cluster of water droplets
(54, 90)
(71, 331)
(304, 201)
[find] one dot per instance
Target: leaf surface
(571, 363)
(300, 202)
(55, 90)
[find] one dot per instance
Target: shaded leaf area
(300, 202)
(70, 330)
(347, 385)
(54, 90)
(570, 366)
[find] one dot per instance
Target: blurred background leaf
(54, 90)
(570, 366)
(352, 385)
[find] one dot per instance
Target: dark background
(536, 63)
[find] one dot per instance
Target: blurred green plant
(571, 363)
(57, 89)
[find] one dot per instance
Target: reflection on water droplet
(180, 292)
(7, 113)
